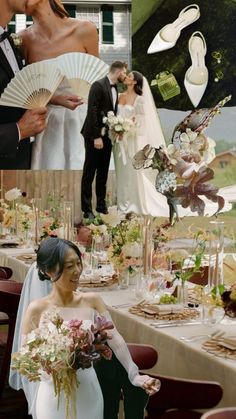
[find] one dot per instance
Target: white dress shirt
(114, 93)
(7, 49)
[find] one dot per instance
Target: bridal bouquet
(118, 126)
(182, 167)
(58, 348)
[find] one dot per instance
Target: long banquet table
(175, 357)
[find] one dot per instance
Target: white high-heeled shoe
(196, 77)
(167, 37)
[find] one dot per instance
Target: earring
(217, 56)
(218, 76)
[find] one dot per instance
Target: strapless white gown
(89, 399)
(61, 145)
(136, 190)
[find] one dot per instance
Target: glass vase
(216, 254)
(123, 278)
(182, 292)
(147, 246)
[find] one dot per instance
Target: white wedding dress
(136, 190)
(61, 145)
(89, 399)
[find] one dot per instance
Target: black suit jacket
(100, 102)
(13, 155)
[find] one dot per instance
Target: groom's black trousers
(113, 378)
(96, 162)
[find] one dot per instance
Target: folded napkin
(163, 308)
(229, 343)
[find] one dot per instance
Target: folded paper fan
(81, 70)
(33, 86)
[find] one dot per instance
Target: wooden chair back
(183, 396)
(222, 413)
(9, 300)
(145, 356)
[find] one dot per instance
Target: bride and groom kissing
(135, 192)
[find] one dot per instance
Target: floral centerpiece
(182, 167)
(51, 220)
(125, 251)
(13, 212)
(118, 126)
(50, 225)
(59, 348)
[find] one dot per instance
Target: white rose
(118, 128)
(132, 250)
(13, 194)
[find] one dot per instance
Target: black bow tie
(4, 36)
(114, 85)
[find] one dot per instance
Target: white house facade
(112, 19)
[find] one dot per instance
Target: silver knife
(172, 324)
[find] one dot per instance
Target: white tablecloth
(175, 357)
(19, 267)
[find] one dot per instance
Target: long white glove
(121, 351)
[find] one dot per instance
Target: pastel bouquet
(118, 126)
(183, 170)
(59, 348)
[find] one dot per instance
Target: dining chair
(145, 356)
(179, 398)
(9, 300)
(222, 413)
(5, 272)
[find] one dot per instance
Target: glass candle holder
(37, 207)
(68, 220)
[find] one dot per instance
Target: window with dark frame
(71, 9)
(12, 25)
(107, 25)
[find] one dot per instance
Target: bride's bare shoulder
(87, 33)
(122, 98)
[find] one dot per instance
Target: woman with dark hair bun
(53, 33)
(135, 188)
(59, 261)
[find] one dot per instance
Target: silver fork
(217, 334)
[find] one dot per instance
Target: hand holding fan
(33, 86)
(81, 70)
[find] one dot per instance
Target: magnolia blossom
(209, 154)
(144, 158)
(187, 170)
(13, 194)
